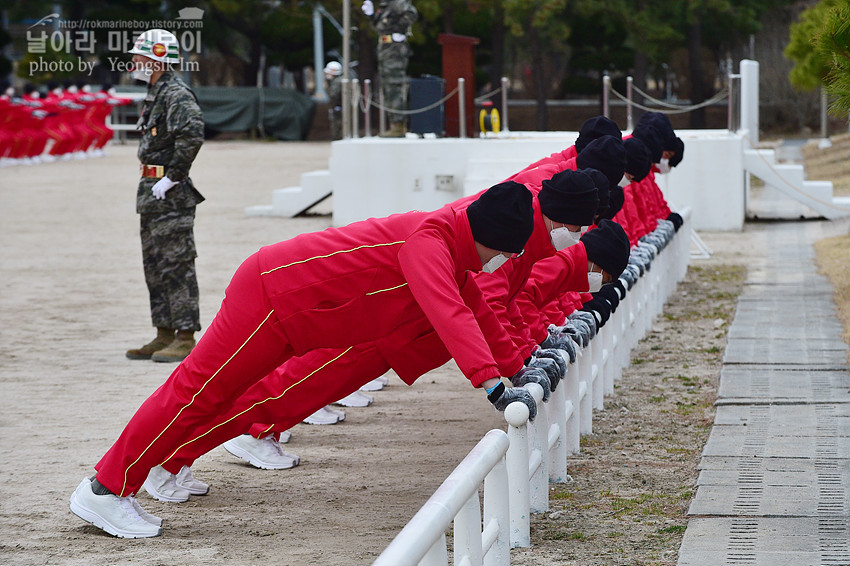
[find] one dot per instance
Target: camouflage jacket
(394, 16)
(172, 130)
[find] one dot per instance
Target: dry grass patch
(830, 164)
(833, 259)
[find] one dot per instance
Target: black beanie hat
(637, 159)
(569, 197)
(605, 154)
(502, 218)
(664, 127)
(651, 139)
(608, 247)
(679, 148)
(595, 128)
(602, 184)
(616, 200)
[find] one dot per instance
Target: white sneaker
(264, 453)
(376, 384)
(340, 414)
(284, 437)
(322, 417)
(187, 481)
(162, 484)
(152, 519)
(356, 399)
(117, 516)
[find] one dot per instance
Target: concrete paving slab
(772, 487)
(765, 541)
(742, 441)
(801, 329)
(829, 419)
(758, 384)
(812, 353)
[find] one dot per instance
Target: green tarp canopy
(286, 114)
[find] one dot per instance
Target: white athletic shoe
(187, 481)
(322, 417)
(118, 516)
(162, 484)
(356, 399)
(340, 414)
(264, 453)
(376, 384)
(284, 437)
(152, 519)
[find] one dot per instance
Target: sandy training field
(74, 299)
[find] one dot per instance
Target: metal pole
(730, 124)
(382, 115)
(346, 57)
(319, 55)
(367, 118)
(606, 84)
(824, 103)
(461, 101)
(505, 105)
(355, 103)
(629, 116)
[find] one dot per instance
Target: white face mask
(142, 73)
(594, 280)
(562, 238)
(624, 182)
(664, 166)
(494, 263)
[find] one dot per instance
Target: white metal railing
(517, 468)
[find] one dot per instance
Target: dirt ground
(73, 300)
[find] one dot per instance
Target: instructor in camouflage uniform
(172, 131)
(392, 20)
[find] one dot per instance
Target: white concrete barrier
(517, 468)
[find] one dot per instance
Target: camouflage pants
(168, 256)
(392, 68)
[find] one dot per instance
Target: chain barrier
(407, 112)
(483, 97)
(679, 109)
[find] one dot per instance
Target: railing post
(355, 108)
(382, 114)
(346, 108)
(497, 508)
(516, 414)
(558, 417)
(630, 124)
(461, 100)
(504, 118)
(367, 117)
(606, 86)
(467, 532)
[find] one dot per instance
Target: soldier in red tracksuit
(331, 289)
(414, 349)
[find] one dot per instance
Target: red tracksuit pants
(286, 397)
(241, 346)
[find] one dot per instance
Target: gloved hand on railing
(558, 340)
(579, 331)
(501, 397)
(610, 294)
(635, 271)
(600, 308)
(533, 375)
(587, 318)
(620, 288)
(676, 219)
(554, 354)
(629, 278)
(550, 368)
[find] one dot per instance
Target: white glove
(398, 37)
(161, 187)
(367, 7)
